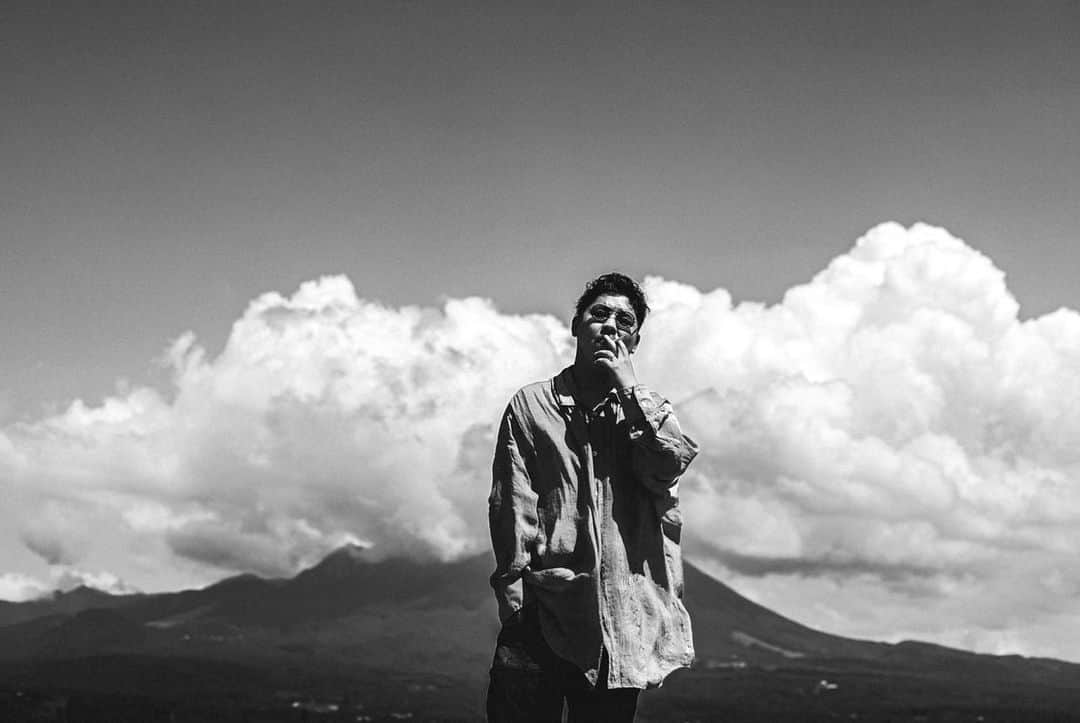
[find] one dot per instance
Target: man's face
(609, 318)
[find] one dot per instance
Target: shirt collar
(564, 388)
(566, 391)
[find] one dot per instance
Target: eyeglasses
(625, 321)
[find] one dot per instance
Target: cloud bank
(892, 431)
(889, 451)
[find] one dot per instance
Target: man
(585, 527)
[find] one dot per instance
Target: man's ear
(574, 325)
(633, 341)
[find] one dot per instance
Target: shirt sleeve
(512, 515)
(660, 451)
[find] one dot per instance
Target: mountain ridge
(350, 584)
(395, 631)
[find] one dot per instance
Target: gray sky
(166, 164)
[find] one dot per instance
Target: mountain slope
(400, 635)
(728, 625)
(398, 613)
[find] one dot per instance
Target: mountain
(352, 617)
(58, 603)
(351, 596)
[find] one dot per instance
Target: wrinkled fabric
(534, 688)
(585, 523)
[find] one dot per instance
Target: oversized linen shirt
(585, 523)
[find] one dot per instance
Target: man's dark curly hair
(614, 283)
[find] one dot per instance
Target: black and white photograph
(456, 361)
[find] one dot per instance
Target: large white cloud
(17, 587)
(890, 446)
(892, 425)
(325, 419)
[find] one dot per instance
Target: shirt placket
(599, 424)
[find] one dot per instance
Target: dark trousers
(529, 682)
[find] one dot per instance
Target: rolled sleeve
(660, 451)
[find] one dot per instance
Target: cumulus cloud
(889, 439)
(57, 532)
(892, 412)
(326, 419)
(67, 578)
(17, 587)
(892, 424)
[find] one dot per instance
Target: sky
(270, 271)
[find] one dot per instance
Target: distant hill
(351, 613)
(58, 603)
(348, 596)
